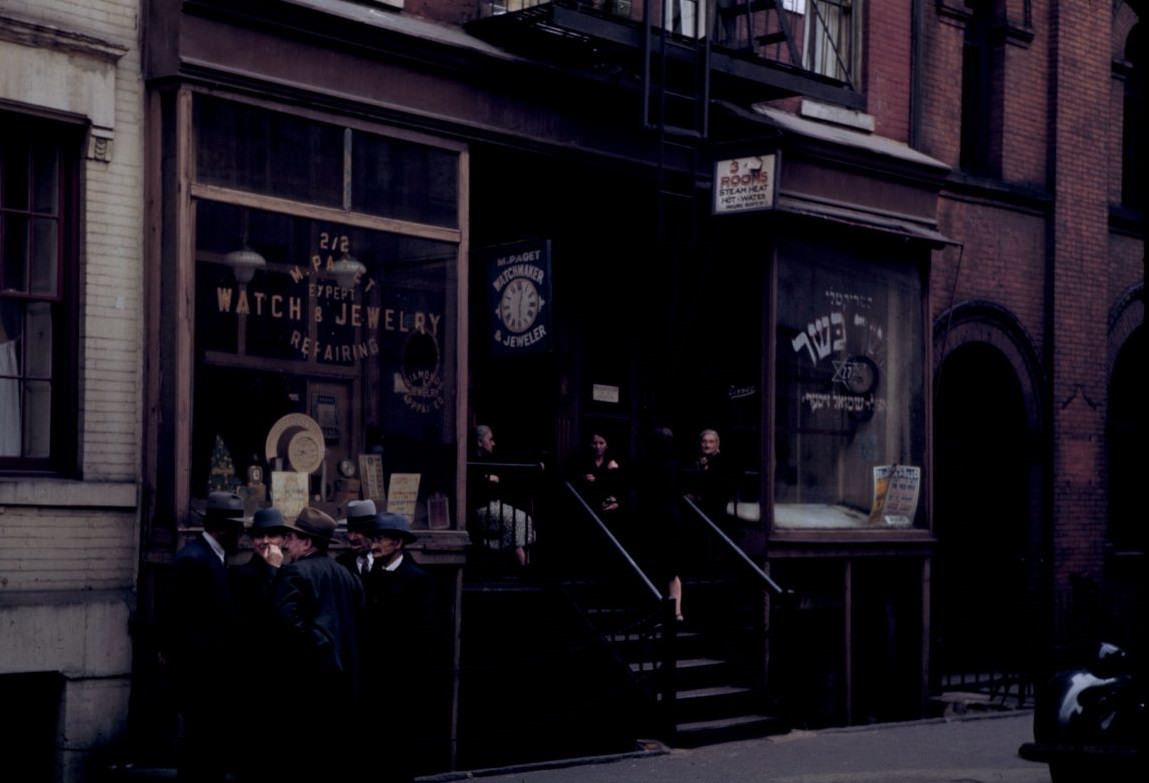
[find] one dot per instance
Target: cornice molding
(42, 36)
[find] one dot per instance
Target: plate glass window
(850, 413)
(326, 262)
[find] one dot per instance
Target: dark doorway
(29, 725)
(1127, 536)
(981, 520)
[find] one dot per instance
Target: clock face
(304, 452)
(520, 305)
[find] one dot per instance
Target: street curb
(660, 749)
(652, 748)
(578, 761)
(955, 718)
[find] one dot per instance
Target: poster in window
(403, 494)
(289, 491)
(895, 495)
(371, 474)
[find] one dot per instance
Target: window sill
(55, 492)
(899, 542)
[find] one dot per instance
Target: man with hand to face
(260, 652)
(318, 604)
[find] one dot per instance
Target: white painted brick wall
(111, 379)
(69, 549)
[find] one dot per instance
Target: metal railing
(619, 603)
(736, 553)
(746, 611)
(502, 520)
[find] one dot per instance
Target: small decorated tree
(222, 476)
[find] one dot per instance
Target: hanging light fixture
(347, 270)
(245, 261)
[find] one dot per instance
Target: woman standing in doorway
(599, 477)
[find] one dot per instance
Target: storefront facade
(369, 233)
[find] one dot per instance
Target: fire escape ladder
(676, 74)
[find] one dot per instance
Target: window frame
(455, 293)
(68, 138)
(804, 518)
(818, 39)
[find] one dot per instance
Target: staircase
(708, 696)
(701, 680)
(713, 700)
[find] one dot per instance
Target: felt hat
(267, 521)
(389, 523)
(359, 512)
(224, 507)
(313, 523)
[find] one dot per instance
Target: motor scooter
(1090, 723)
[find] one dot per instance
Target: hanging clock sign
(518, 297)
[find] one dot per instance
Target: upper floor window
(1134, 148)
(832, 35)
(981, 98)
(38, 185)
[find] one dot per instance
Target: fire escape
(682, 57)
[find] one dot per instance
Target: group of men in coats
(284, 663)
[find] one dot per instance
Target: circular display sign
(298, 439)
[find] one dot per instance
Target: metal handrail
(736, 550)
(526, 467)
(618, 548)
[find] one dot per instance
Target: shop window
(276, 154)
(850, 413)
(338, 325)
(259, 151)
(38, 181)
(832, 35)
(404, 180)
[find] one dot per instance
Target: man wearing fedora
(319, 605)
(399, 645)
(357, 557)
(202, 641)
(261, 662)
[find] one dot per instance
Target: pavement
(977, 748)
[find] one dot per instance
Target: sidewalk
(974, 749)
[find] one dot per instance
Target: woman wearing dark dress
(599, 477)
(657, 484)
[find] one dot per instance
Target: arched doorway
(981, 518)
(1127, 538)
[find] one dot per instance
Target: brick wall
(886, 67)
(110, 374)
(1038, 242)
(1080, 35)
(69, 547)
